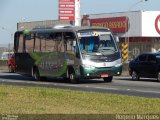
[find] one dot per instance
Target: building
(139, 29)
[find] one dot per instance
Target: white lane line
(77, 86)
(148, 91)
(106, 88)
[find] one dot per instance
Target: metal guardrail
(3, 62)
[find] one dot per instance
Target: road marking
(148, 91)
(105, 88)
(77, 86)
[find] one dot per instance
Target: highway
(122, 85)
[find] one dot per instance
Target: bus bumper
(100, 72)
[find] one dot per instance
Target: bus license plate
(104, 75)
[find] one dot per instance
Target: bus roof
(72, 28)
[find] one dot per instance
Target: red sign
(157, 24)
(116, 24)
(66, 6)
(66, 17)
(66, 9)
(66, 12)
(66, 0)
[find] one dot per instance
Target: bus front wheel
(71, 76)
(108, 79)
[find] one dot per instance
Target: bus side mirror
(117, 39)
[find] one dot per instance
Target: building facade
(139, 29)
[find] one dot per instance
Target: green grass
(28, 100)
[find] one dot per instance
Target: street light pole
(11, 34)
(137, 3)
(128, 23)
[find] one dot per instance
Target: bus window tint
(107, 41)
(16, 42)
(59, 44)
(69, 39)
(37, 45)
(87, 43)
(48, 45)
(102, 43)
(20, 44)
(49, 42)
(29, 42)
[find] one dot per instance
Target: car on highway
(11, 63)
(6, 55)
(146, 65)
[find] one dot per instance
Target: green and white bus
(68, 52)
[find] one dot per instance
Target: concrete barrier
(125, 71)
(3, 64)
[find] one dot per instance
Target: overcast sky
(13, 11)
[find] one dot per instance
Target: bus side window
(16, 42)
(50, 45)
(59, 45)
(20, 46)
(68, 40)
(70, 43)
(37, 45)
(29, 43)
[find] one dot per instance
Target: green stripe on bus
(63, 70)
(38, 59)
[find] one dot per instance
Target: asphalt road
(149, 88)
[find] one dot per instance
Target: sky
(14, 11)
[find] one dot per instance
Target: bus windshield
(96, 42)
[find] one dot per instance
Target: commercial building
(139, 29)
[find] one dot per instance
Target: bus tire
(10, 69)
(108, 79)
(36, 74)
(158, 77)
(72, 76)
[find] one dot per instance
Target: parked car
(146, 65)
(11, 63)
(6, 55)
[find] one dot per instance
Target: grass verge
(28, 100)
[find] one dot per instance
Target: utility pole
(126, 44)
(11, 34)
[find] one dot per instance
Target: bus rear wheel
(36, 74)
(158, 77)
(10, 69)
(108, 79)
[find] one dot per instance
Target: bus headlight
(88, 67)
(118, 65)
(87, 64)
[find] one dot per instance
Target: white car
(6, 55)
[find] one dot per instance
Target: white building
(141, 29)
